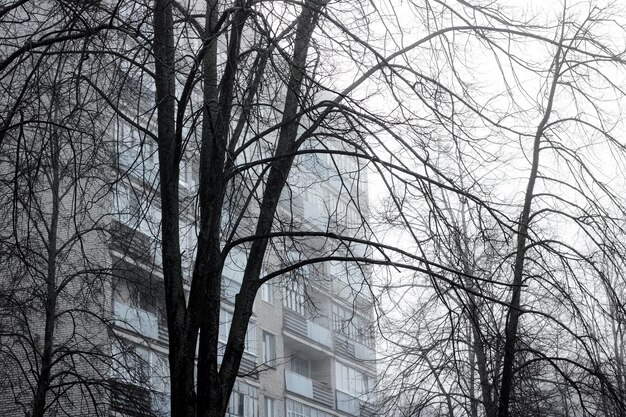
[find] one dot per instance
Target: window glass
(243, 401)
(301, 366)
(350, 380)
(235, 264)
(295, 409)
(270, 407)
(294, 297)
(251, 338)
(269, 349)
(267, 292)
(226, 318)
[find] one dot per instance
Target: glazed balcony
(352, 293)
(136, 320)
(353, 405)
(307, 329)
(136, 401)
(354, 350)
(309, 388)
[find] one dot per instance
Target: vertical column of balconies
(313, 337)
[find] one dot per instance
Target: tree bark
(181, 341)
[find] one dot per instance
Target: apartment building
(310, 349)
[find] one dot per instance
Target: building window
(353, 217)
(128, 136)
(243, 401)
(134, 211)
(251, 339)
(188, 173)
(138, 365)
(339, 270)
(351, 381)
(301, 366)
(296, 409)
(269, 349)
(230, 289)
(294, 297)
(267, 292)
(226, 318)
(351, 325)
(235, 264)
(270, 407)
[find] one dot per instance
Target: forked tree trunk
(201, 316)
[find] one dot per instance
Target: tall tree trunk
(181, 340)
(206, 297)
(43, 381)
(202, 314)
(520, 254)
(481, 360)
(277, 178)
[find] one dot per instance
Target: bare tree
(565, 216)
(55, 156)
(220, 111)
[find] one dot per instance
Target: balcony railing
(348, 404)
(131, 241)
(352, 293)
(354, 350)
(300, 325)
(130, 399)
(135, 401)
(320, 334)
(136, 320)
(164, 335)
(316, 277)
(299, 384)
(161, 404)
(306, 387)
(247, 367)
(364, 352)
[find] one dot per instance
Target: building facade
(89, 276)
(310, 347)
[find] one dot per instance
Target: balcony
(348, 404)
(319, 334)
(354, 406)
(352, 349)
(132, 242)
(352, 293)
(164, 335)
(130, 400)
(316, 277)
(141, 163)
(247, 367)
(314, 217)
(299, 325)
(306, 387)
(161, 404)
(229, 289)
(363, 352)
(136, 320)
(135, 401)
